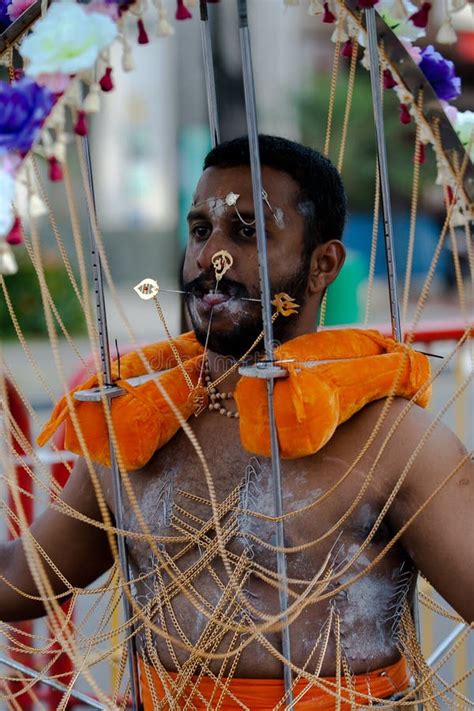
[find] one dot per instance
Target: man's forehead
(219, 182)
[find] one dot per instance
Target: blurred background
(148, 144)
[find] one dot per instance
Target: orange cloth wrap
(309, 404)
(264, 694)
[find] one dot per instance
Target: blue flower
(440, 73)
(24, 106)
(4, 17)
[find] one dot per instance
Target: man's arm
(80, 551)
(440, 540)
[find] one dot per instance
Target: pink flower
(56, 82)
(414, 52)
(18, 7)
(103, 8)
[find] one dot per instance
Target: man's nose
(216, 241)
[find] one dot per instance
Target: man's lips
(215, 299)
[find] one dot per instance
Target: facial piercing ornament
(147, 289)
(222, 262)
(231, 199)
(285, 304)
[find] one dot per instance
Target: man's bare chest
(184, 495)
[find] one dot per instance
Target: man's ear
(326, 263)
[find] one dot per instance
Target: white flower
(396, 14)
(464, 127)
(67, 40)
(7, 195)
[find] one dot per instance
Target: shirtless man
(305, 213)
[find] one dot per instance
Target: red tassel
(420, 17)
(450, 193)
(328, 17)
(404, 114)
(182, 12)
(106, 83)
(142, 33)
(80, 127)
(388, 80)
(347, 48)
(55, 172)
(367, 4)
(15, 236)
(420, 158)
(18, 73)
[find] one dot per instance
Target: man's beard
(238, 340)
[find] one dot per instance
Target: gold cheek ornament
(222, 262)
(285, 304)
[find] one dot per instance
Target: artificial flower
(23, 108)
(4, 16)
(412, 50)
(67, 40)
(398, 20)
(56, 82)
(18, 7)
(7, 195)
(464, 127)
(440, 73)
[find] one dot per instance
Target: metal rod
(116, 478)
(446, 643)
(209, 74)
(33, 674)
(252, 129)
(372, 45)
(383, 169)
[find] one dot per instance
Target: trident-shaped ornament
(222, 262)
(285, 304)
(147, 289)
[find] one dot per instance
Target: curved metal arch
(391, 49)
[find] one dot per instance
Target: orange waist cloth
(265, 694)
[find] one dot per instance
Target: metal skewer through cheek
(272, 371)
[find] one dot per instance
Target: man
(202, 549)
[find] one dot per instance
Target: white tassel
(315, 7)
(8, 263)
(36, 206)
(165, 28)
(457, 5)
(59, 149)
(91, 104)
(365, 61)
(446, 33)
(128, 64)
(339, 34)
(457, 218)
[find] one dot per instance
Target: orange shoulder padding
(364, 366)
(309, 404)
(142, 419)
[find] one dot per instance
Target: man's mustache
(206, 282)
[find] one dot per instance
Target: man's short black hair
(321, 198)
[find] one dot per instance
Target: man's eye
(200, 231)
(246, 232)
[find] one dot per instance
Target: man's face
(229, 320)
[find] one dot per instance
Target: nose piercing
(222, 262)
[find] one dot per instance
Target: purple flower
(4, 17)
(440, 73)
(23, 107)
